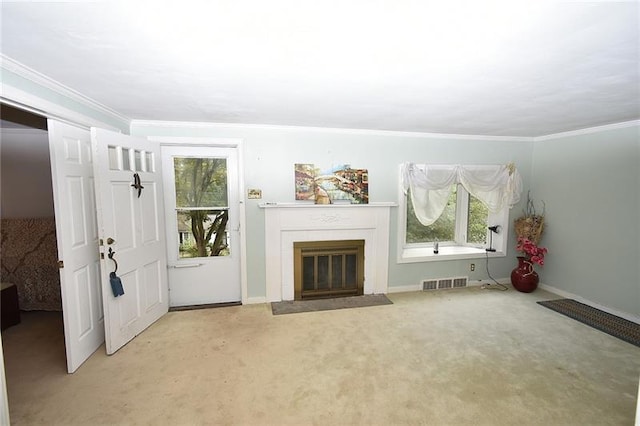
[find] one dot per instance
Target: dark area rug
(297, 306)
(618, 327)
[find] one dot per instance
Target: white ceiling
(506, 68)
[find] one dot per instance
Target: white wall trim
(30, 74)
(29, 102)
(4, 401)
(567, 295)
(254, 300)
(199, 141)
(21, 131)
(588, 130)
(470, 283)
(36, 105)
(404, 288)
(364, 132)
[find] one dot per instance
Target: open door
(131, 226)
(77, 237)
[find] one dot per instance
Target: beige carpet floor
(453, 357)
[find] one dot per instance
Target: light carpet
(450, 357)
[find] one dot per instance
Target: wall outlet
(472, 267)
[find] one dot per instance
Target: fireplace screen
(328, 268)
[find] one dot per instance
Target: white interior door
(201, 185)
(131, 225)
(77, 235)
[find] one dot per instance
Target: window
(463, 222)
(456, 220)
(202, 210)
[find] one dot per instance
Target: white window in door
(135, 160)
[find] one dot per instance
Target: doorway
(28, 258)
(202, 210)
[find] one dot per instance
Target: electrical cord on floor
(497, 285)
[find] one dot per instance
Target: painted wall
(270, 153)
(25, 174)
(590, 184)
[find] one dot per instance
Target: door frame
(217, 142)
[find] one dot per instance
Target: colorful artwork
(332, 185)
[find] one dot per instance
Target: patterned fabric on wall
(29, 259)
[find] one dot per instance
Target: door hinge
(60, 264)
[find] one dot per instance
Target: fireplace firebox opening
(324, 269)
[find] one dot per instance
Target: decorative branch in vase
(531, 224)
(529, 229)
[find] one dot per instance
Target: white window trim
(413, 253)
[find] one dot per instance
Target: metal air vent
(429, 284)
(444, 283)
(460, 282)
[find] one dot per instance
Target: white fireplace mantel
(286, 223)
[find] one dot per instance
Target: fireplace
(325, 269)
(289, 223)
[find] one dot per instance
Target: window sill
(423, 254)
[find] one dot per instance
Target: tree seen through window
(444, 228)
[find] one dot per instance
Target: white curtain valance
(497, 186)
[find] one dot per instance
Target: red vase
(523, 277)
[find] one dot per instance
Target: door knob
(110, 241)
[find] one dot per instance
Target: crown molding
(21, 131)
(588, 130)
(368, 132)
(40, 79)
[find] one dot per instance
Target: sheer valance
(497, 186)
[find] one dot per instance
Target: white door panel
(77, 237)
(205, 279)
(134, 221)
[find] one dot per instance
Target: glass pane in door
(201, 182)
(203, 233)
(202, 207)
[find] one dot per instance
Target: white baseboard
(254, 300)
(404, 288)
(567, 295)
(503, 281)
(470, 283)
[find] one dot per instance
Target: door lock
(110, 241)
